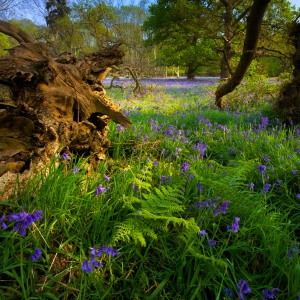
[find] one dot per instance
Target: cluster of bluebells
(100, 189)
(22, 220)
(88, 265)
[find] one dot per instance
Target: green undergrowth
(172, 184)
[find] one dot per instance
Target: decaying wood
(52, 104)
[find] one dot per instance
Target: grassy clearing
(192, 203)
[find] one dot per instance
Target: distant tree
(57, 9)
(181, 23)
(96, 20)
(128, 28)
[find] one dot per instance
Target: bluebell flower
(86, 267)
(222, 208)
(106, 177)
(65, 156)
(36, 254)
(267, 186)
(120, 128)
(228, 292)
(211, 243)
(203, 232)
(23, 220)
(243, 289)
(262, 169)
(199, 187)
(185, 167)
(155, 163)
(96, 264)
(269, 294)
(75, 170)
(292, 250)
(100, 189)
(298, 196)
(3, 225)
(295, 172)
(235, 226)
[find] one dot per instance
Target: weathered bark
(250, 44)
(52, 104)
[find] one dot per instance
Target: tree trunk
(191, 72)
(50, 105)
(287, 104)
(250, 44)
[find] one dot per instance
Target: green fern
(153, 212)
(226, 177)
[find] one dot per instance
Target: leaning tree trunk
(49, 105)
(250, 44)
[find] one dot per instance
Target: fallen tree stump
(50, 105)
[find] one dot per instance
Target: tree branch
(242, 15)
(16, 33)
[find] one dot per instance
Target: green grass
(152, 210)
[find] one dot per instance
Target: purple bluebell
(203, 232)
(235, 226)
(106, 177)
(185, 167)
(222, 208)
(199, 187)
(165, 178)
(228, 292)
(23, 220)
(295, 172)
(265, 158)
(120, 128)
(262, 169)
(96, 264)
(267, 187)
(93, 251)
(211, 243)
(65, 156)
(155, 163)
(298, 196)
(292, 250)
(3, 225)
(86, 267)
(75, 170)
(100, 189)
(243, 289)
(269, 294)
(36, 254)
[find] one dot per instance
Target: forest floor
(191, 203)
